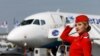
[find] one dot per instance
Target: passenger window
(36, 22)
(67, 21)
(42, 22)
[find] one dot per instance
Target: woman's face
(80, 27)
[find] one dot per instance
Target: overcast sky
(20, 9)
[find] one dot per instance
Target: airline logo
(55, 32)
(94, 21)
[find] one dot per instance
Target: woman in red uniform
(80, 45)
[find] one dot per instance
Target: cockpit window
(36, 22)
(26, 22)
(42, 22)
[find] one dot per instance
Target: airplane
(33, 30)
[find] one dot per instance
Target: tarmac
(95, 51)
(10, 55)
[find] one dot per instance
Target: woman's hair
(89, 27)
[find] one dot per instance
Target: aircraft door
(58, 21)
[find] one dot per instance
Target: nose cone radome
(15, 35)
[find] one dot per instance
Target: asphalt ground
(11, 55)
(95, 51)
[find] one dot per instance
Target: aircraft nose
(15, 35)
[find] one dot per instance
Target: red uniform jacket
(80, 46)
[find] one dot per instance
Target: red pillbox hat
(81, 18)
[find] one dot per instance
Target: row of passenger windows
(33, 21)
